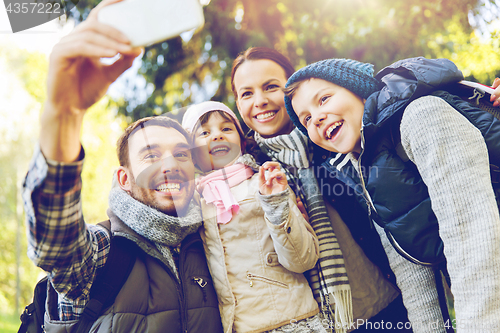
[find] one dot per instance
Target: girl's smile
(217, 142)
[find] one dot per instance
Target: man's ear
(123, 176)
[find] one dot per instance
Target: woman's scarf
(163, 230)
(329, 277)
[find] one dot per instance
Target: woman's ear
(123, 177)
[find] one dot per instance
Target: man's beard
(146, 196)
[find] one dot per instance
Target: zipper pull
(478, 94)
(202, 283)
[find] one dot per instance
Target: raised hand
(77, 79)
(276, 179)
(495, 98)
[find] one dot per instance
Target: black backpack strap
(121, 260)
(32, 316)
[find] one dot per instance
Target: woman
(257, 78)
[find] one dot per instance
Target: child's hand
(276, 179)
(495, 98)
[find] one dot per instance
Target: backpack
(479, 96)
(472, 100)
(121, 260)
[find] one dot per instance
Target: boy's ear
(123, 176)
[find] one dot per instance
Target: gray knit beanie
(351, 74)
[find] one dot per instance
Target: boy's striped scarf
(328, 279)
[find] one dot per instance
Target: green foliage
(9, 324)
(179, 72)
(19, 113)
(99, 134)
(477, 57)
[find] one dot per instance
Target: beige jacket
(257, 266)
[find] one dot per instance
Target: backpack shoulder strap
(396, 140)
(121, 260)
(32, 316)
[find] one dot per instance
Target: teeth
(265, 115)
(170, 187)
(332, 128)
(219, 148)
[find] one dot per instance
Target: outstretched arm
(77, 79)
(59, 240)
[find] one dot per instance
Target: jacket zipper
(253, 277)
(366, 195)
(184, 316)
(368, 200)
(179, 289)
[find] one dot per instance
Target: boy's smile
(333, 130)
(331, 114)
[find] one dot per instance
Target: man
(169, 287)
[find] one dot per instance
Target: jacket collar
(403, 82)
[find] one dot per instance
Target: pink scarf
(215, 188)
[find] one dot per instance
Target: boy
(420, 167)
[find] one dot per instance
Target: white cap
(194, 113)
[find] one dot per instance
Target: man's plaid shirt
(59, 241)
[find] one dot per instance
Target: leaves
(179, 72)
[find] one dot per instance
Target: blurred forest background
(197, 66)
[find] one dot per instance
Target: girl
(258, 76)
(419, 162)
(256, 240)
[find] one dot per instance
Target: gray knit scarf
(329, 277)
(163, 230)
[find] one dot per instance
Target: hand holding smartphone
(147, 22)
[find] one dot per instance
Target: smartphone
(147, 22)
